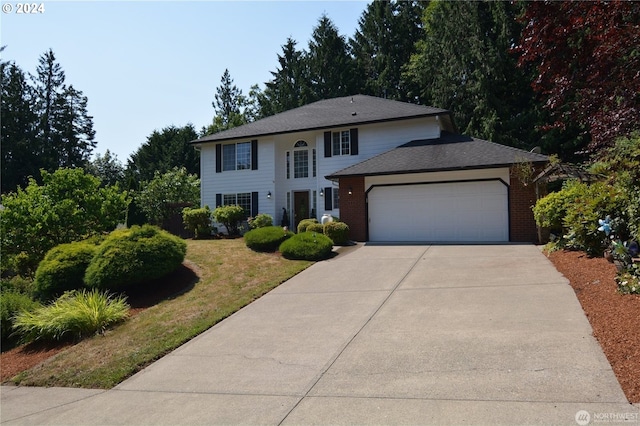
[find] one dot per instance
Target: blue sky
(145, 65)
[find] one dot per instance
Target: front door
(300, 207)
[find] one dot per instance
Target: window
(314, 163)
(341, 142)
(301, 164)
(336, 198)
(288, 165)
(242, 199)
(236, 156)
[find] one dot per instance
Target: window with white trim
(236, 156)
(341, 142)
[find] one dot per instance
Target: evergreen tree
(163, 151)
(228, 105)
(20, 158)
(289, 88)
(383, 44)
(463, 63)
(107, 168)
(76, 129)
(331, 69)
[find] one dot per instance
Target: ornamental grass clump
(266, 239)
(133, 256)
(73, 315)
(11, 304)
(307, 246)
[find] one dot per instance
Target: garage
(464, 211)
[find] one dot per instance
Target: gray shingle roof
(449, 152)
(337, 112)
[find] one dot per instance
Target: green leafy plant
(230, 216)
(260, 221)
(11, 304)
(307, 246)
(337, 231)
(74, 315)
(314, 227)
(167, 194)
(198, 221)
(135, 255)
(304, 223)
(63, 268)
(70, 205)
(266, 239)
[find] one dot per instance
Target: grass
(230, 277)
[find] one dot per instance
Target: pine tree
(383, 43)
(289, 88)
(331, 69)
(20, 157)
(228, 105)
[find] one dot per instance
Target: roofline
(416, 171)
(310, 129)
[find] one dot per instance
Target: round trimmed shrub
(338, 232)
(304, 223)
(266, 239)
(133, 256)
(262, 220)
(63, 269)
(315, 227)
(307, 246)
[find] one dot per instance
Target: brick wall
(353, 207)
(521, 200)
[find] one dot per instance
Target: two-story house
(393, 171)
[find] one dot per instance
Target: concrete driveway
(379, 335)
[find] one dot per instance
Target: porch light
(269, 194)
(350, 191)
(321, 192)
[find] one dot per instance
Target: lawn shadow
(150, 293)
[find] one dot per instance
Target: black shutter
(327, 144)
(218, 158)
(254, 204)
(254, 154)
(354, 141)
(328, 198)
(218, 200)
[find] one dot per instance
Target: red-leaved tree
(587, 57)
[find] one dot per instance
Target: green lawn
(230, 277)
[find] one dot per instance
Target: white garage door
(446, 212)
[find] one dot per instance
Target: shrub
(304, 223)
(549, 211)
(135, 255)
(266, 239)
(18, 284)
(63, 269)
(593, 202)
(75, 314)
(11, 304)
(230, 216)
(261, 220)
(337, 231)
(307, 246)
(315, 227)
(70, 205)
(197, 221)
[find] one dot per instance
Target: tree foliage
(45, 123)
(163, 151)
(289, 87)
(383, 43)
(167, 194)
(70, 205)
(587, 61)
(107, 168)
